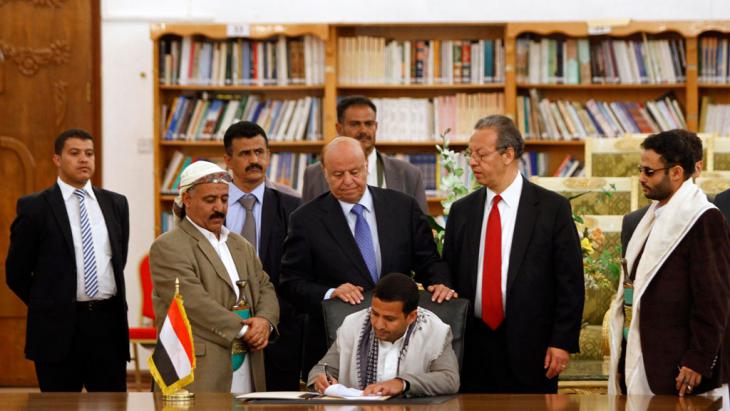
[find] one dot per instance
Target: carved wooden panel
(46, 70)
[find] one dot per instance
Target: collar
(511, 195)
(366, 201)
(68, 190)
(235, 193)
(373, 160)
(209, 235)
(397, 343)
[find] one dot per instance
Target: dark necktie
(249, 225)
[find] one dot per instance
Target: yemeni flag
(173, 361)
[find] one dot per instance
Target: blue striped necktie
(91, 281)
(364, 240)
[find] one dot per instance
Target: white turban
(196, 173)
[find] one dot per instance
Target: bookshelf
(381, 51)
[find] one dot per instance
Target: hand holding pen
(324, 380)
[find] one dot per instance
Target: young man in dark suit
(341, 242)
(68, 248)
(513, 251)
(259, 210)
(356, 118)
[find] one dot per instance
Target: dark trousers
(487, 367)
(283, 357)
(96, 360)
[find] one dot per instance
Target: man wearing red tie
(513, 251)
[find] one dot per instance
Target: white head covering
(196, 173)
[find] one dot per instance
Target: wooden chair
(622, 200)
(146, 333)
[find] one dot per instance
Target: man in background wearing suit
(356, 118)
(260, 213)
(68, 248)
(340, 243)
(208, 260)
(513, 251)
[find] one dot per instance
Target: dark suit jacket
(685, 308)
(274, 226)
(41, 269)
(722, 201)
(399, 175)
(320, 253)
(545, 276)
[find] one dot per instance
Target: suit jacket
(544, 280)
(722, 201)
(274, 225)
(206, 288)
(399, 175)
(320, 253)
(41, 269)
(685, 310)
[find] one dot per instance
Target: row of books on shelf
(203, 118)
(714, 59)
(569, 167)
(422, 119)
(178, 162)
(714, 118)
(584, 61)
(567, 120)
(374, 60)
(278, 61)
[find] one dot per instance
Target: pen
(327, 374)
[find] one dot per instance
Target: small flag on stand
(173, 361)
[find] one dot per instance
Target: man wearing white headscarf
(209, 260)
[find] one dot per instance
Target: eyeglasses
(480, 157)
(648, 171)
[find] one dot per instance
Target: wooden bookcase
(688, 93)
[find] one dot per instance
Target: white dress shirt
(236, 216)
(241, 382)
(369, 213)
(508, 216)
(388, 353)
(373, 170)
(100, 236)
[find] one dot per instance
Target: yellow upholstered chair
(714, 182)
(612, 157)
(623, 190)
(719, 158)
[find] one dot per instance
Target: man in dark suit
(668, 321)
(722, 202)
(513, 251)
(356, 118)
(68, 248)
(340, 243)
(260, 213)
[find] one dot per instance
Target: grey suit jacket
(399, 175)
(208, 296)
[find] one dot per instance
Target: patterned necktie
(364, 240)
(249, 226)
(492, 312)
(91, 281)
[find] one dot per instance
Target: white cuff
(328, 294)
(243, 331)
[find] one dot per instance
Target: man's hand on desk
(348, 293)
(322, 382)
(257, 336)
(390, 387)
(441, 292)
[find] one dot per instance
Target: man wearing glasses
(668, 329)
(513, 251)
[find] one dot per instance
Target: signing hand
(257, 336)
(348, 293)
(441, 292)
(390, 387)
(321, 382)
(687, 380)
(556, 361)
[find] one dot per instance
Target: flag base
(180, 396)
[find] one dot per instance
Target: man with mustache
(208, 260)
(259, 210)
(668, 321)
(68, 248)
(356, 118)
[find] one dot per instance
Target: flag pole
(180, 395)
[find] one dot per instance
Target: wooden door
(49, 81)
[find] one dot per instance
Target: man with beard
(356, 118)
(668, 321)
(209, 260)
(259, 210)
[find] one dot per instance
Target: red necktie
(492, 312)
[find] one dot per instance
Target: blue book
(488, 61)
(170, 132)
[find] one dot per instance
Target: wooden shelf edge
(714, 85)
(550, 86)
(202, 87)
(487, 86)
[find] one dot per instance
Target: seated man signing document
(391, 348)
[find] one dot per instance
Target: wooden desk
(149, 401)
